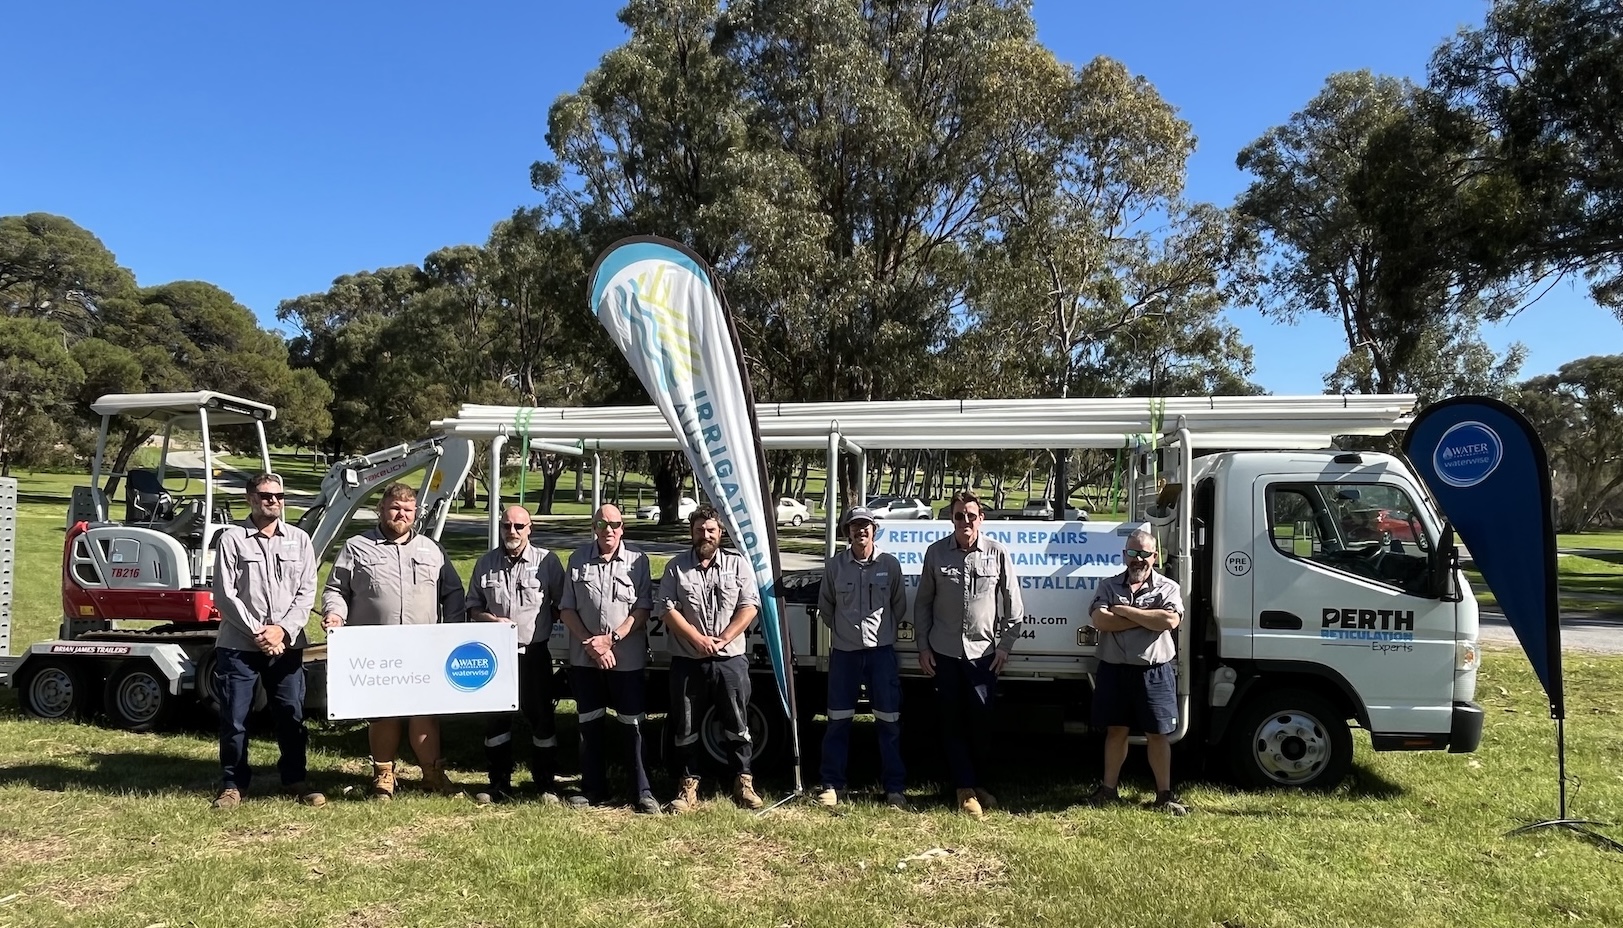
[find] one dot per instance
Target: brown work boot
(744, 792)
(987, 800)
(304, 794)
(687, 798)
(435, 780)
(229, 798)
(968, 804)
(383, 780)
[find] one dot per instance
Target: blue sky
(269, 148)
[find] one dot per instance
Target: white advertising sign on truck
(387, 671)
(1059, 565)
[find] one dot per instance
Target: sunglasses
(1140, 555)
(966, 517)
(515, 526)
(605, 523)
(272, 496)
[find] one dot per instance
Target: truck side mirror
(1442, 577)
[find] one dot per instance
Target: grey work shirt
(707, 597)
(968, 601)
(379, 582)
(1137, 646)
(525, 589)
(605, 591)
(262, 580)
(861, 602)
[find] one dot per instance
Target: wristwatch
(614, 637)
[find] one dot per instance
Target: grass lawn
(110, 828)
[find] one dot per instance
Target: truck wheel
(1290, 738)
(53, 689)
(137, 697)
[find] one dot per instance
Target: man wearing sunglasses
(967, 616)
(264, 586)
(519, 583)
(607, 597)
(1136, 685)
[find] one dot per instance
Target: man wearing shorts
(1136, 686)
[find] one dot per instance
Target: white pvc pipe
(497, 442)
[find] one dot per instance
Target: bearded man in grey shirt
(264, 585)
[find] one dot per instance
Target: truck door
(1337, 584)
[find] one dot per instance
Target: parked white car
(684, 508)
(899, 507)
(792, 511)
(1043, 509)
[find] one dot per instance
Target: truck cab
(1323, 589)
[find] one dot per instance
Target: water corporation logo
(470, 666)
(1467, 454)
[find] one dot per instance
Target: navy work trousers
(848, 673)
(235, 674)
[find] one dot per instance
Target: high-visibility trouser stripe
(499, 740)
(834, 715)
(743, 736)
(887, 716)
(544, 742)
(593, 715)
(686, 740)
(632, 720)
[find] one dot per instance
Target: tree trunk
(130, 439)
(667, 487)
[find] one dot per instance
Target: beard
(1138, 570)
(396, 529)
(705, 550)
(513, 545)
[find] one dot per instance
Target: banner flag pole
(1486, 467)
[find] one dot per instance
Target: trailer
(139, 623)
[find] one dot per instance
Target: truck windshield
(1368, 530)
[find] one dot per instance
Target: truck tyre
(1292, 738)
(137, 697)
(53, 689)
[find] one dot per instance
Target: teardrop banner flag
(1486, 468)
(663, 309)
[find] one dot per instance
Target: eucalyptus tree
(1372, 208)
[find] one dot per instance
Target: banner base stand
(1579, 826)
(796, 794)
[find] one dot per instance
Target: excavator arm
(445, 462)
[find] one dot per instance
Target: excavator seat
(146, 502)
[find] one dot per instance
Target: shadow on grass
(121, 772)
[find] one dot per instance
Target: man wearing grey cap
(861, 602)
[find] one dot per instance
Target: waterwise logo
(1467, 454)
(470, 666)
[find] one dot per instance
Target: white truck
(139, 621)
(1321, 586)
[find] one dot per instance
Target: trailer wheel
(1290, 738)
(137, 697)
(53, 689)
